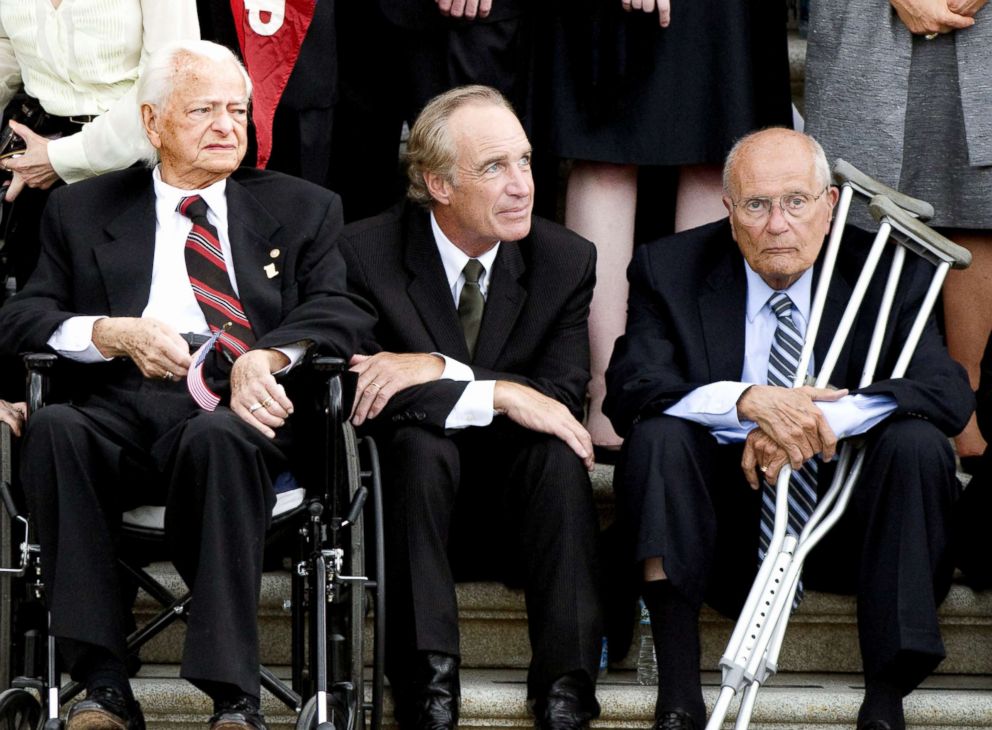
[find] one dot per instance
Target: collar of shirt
(454, 260)
(170, 298)
(758, 293)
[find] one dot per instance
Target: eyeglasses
(798, 206)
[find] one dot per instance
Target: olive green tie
(471, 303)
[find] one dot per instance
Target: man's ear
(149, 120)
(439, 187)
(729, 205)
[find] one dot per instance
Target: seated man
(483, 322)
(129, 261)
(698, 385)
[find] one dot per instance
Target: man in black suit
(129, 261)
(475, 390)
(687, 389)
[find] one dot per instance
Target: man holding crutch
(699, 388)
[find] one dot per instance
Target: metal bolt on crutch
(751, 656)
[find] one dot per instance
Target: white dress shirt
(84, 57)
(715, 405)
(475, 406)
(170, 297)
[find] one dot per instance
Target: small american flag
(195, 384)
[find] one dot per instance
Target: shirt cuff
(855, 414)
(454, 370)
(474, 407)
(68, 158)
(713, 406)
(294, 352)
(74, 340)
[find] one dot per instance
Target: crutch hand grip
(845, 172)
(918, 237)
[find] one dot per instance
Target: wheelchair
(331, 592)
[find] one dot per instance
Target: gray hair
(430, 147)
(820, 164)
(158, 78)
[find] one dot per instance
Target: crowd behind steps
(608, 92)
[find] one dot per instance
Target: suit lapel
(504, 301)
(125, 260)
(721, 305)
(252, 231)
(428, 287)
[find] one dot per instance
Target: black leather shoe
(239, 714)
(674, 720)
(105, 708)
(430, 700)
(875, 725)
(569, 705)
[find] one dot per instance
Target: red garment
(270, 33)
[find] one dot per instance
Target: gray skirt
(935, 163)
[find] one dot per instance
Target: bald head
(778, 194)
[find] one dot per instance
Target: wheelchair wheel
(19, 710)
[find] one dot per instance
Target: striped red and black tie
(211, 284)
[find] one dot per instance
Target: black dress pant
(83, 465)
(684, 499)
(499, 502)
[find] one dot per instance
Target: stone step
(822, 635)
(497, 699)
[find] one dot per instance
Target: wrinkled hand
(967, 8)
(922, 17)
(255, 395)
(792, 419)
(464, 8)
(761, 453)
(664, 8)
(32, 167)
(383, 375)
(13, 414)
(537, 412)
(155, 347)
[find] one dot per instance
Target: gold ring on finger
(374, 384)
(930, 36)
(168, 375)
(267, 402)
(764, 469)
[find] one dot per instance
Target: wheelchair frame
(330, 590)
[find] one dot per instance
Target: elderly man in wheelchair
(178, 293)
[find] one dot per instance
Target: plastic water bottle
(647, 663)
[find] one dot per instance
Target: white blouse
(84, 57)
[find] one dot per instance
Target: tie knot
(193, 207)
(781, 305)
(472, 271)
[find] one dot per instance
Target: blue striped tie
(783, 360)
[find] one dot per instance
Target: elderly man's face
(492, 194)
(779, 245)
(201, 130)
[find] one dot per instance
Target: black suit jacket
(98, 240)
(422, 14)
(685, 328)
(534, 329)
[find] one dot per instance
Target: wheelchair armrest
(38, 365)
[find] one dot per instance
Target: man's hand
(255, 395)
(156, 348)
(383, 375)
(465, 8)
(535, 411)
(32, 167)
(13, 414)
(790, 416)
(664, 8)
(761, 453)
(923, 17)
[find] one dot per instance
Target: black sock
(675, 629)
(100, 668)
(883, 701)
